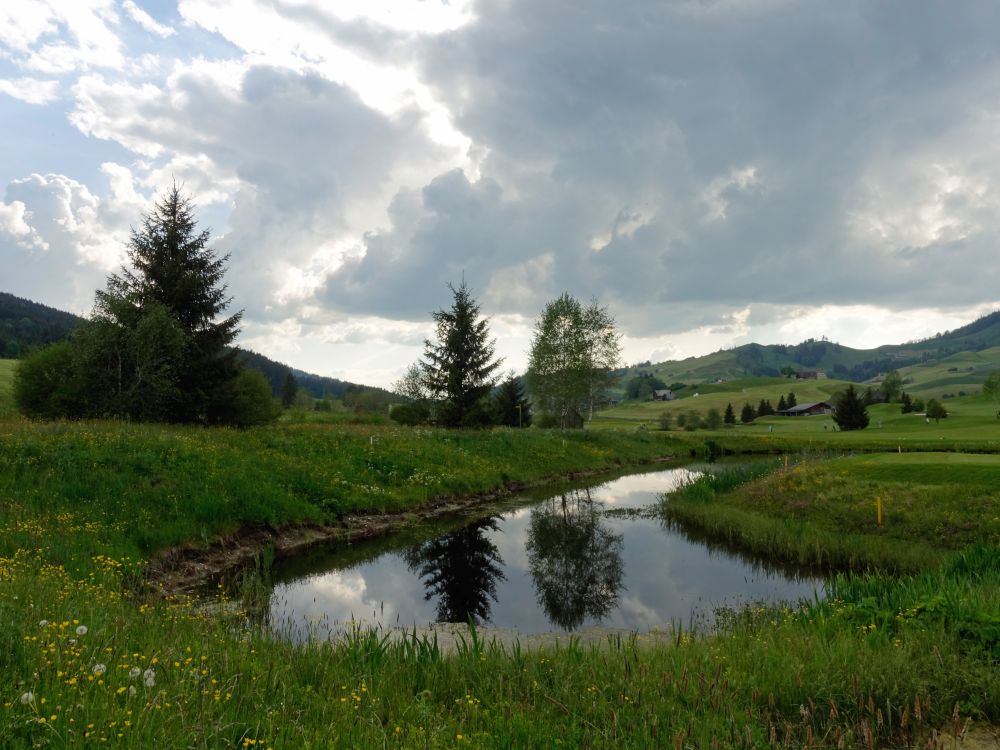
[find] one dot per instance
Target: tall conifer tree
(459, 367)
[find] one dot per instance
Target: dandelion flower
(134, 673)
(27, 698)
(100, 669)
(81, 630)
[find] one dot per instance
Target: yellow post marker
(878, 508)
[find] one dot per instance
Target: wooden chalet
(808, 410)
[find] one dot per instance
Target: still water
(564, 560)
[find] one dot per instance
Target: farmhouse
(808, 410)
(664, 395)
(811, 375)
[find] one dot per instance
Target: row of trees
(574, 350)
(156, 346)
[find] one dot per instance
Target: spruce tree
(851, 412)
(510, 407)
(289, 390)
(459, 366)
(790, 401)
(782, 405)
(174, 268)
(730, 415)
(747, 415)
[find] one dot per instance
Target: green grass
(158, 486)
(825, 513)
(7, 407)
(83, 506)
(964, 371)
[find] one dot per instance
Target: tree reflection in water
(461, 569)
(575, 561)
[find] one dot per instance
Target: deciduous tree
(573, 353)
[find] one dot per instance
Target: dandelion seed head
(43, 623)
(81, 630)
(134, 673)
(100, 669)
(27, 698)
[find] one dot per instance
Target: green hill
(836, 360)
(25, 325)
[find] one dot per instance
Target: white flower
(82, 630)
(27, 698)
(134, 673)
(43, 623)
(100, 669)
(131, 690)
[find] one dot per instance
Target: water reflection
(574, 559)
(461, 571)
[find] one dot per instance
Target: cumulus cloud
(30, 90)
(56, 37)
(58, 241)
(704, 167)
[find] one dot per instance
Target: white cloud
(146, 21)
(14, 224)
(66, 239)
(56, 37)
(30, 90)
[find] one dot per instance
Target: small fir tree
(782, 404)
(510, 407)
(906, 403)
(747, 415)
(790, 402)
(459, 365)
(730, 415)
(851, 412)
(289, 390)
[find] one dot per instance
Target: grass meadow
(902, 652)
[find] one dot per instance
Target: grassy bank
(135, 489)
(91, 658)
(827, 513)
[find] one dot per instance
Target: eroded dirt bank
(182, 569)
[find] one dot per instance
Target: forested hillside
(25, 324)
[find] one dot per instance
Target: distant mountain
(316, 386)
(837, 360)
(25, 325)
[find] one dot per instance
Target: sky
(715, 172)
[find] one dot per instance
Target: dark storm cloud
(765, 152)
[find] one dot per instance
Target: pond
(566, 559)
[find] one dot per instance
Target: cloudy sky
(715, 171)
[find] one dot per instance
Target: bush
(246, 401)
(413, 413)
(46, 386)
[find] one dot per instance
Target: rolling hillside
(25, 325)
(838, 361)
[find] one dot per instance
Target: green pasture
(6, 387)
(890, 511)
(964, 371)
